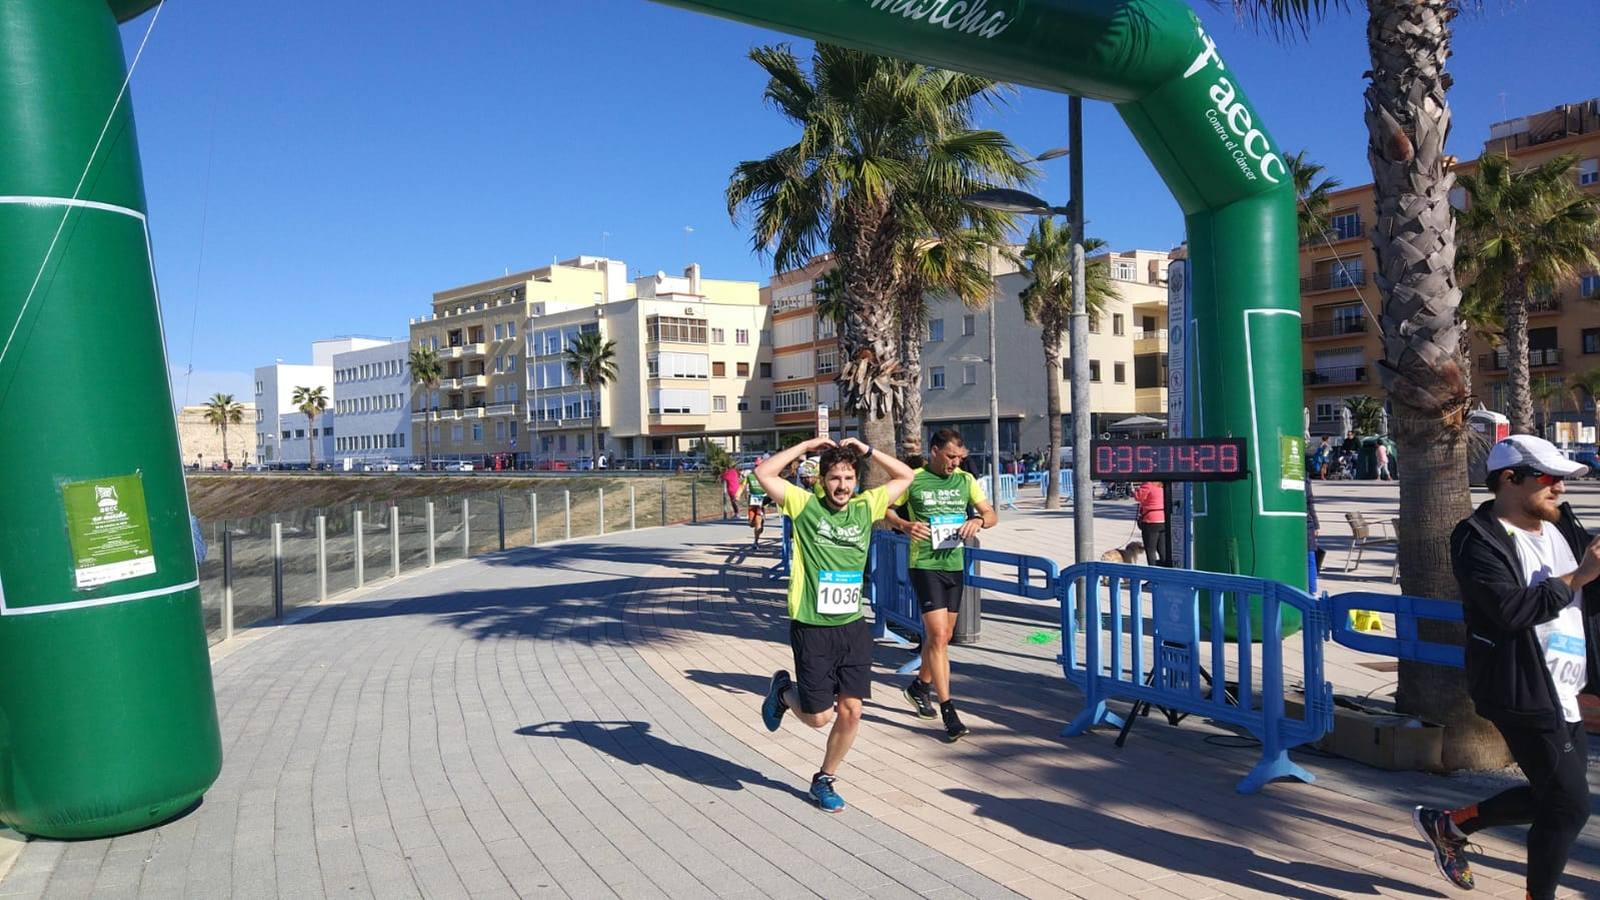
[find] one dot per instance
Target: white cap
(1526, 451)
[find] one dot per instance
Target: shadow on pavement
(632, 743)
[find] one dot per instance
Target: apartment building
(283, 434)
(692, 356)
(1340, 302)
(371, 400)
(805, 354)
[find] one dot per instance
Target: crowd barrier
(1142, 629)
(1006, 497)
(1145, 629)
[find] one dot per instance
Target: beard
(1547, 511)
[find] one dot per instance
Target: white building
(283, 433)
(371, 398)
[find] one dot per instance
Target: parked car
(464, 465)
(384, 465)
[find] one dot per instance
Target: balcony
(1150, 341)
(502, 409)
(1537, 359)
(1544, 306)
(1333, 281)
(1337, 375)
(1346, 229)
(461, 351)
(472, 412)
(1333, 328)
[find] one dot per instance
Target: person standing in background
(1152, 499)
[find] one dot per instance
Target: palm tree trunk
(427, 439)
(871, 383)
(1519, 403)
(1408, 119)
(909, 425)
(224, 444)
(311, 442)
(1052, 406)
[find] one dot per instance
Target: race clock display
(1169, 459)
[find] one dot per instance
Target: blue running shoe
(823, 794)
(773, 707)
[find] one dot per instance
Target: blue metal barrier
(781, 570)
(1031, 577)
(1165, 668)
(1065, 476)
(1407, 611)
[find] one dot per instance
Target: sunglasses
(1544, 478)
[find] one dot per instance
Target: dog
(1132, 554)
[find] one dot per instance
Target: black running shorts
(831, 661)
(938, 589)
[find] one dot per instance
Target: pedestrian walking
(1526, 570)
(832, 643)
(943, 509)
(731, 484)
(1383, 460)
(1152, 499)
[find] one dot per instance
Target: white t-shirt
(1546, 555)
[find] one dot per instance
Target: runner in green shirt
(943, 509)
(756, 501)
(832, 644)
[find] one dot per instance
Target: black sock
(947, 706)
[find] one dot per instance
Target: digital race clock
(1176, 459)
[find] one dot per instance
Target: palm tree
(872, 129)
(1544, 390)
(1366, 414)
(592, 360)
(221, 411)
(1312, 212)
(427, 371)
(1047, 303)
(1524, 231)
(1407, 118)
(1585, 390)
(312, 402)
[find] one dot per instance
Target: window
(969, 373)
(299, 433)
(499, 332)
(936, 378)
(676, 330)
(969, 325)
(511, 363)
(719, 370)
(1125, 270)
(744, 370)
(1345, 225)
(1094, 370)
(1119, 373)
(1094, 324)
(744, 404)
(718, 336)
(477, 431)
(513, 430)
(741, 336)
(500, 429)
(765, 337)
(719, 403)
(676, 365)
(790, 401)
(671, 401)
(766, 404)
(827, 362)
(1118, 326)
(935, 331)
(827, 328)
(1589, 286)
(1327, 409)
(1589, 172)
(765, 369)
(511, 329)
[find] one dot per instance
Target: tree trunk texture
(1519, 400)
(224, 443)
(311, 443)
(1408, 119)
(1052, 406)
(871, 383)
(912, 314)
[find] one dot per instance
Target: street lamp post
(994, 382)
(1024, 203)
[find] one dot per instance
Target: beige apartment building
(1340, 303)
(691, 355)
(1127, 346)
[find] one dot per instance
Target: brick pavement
(583, 721)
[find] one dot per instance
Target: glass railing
(259, 569)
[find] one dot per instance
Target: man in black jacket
(1527, 573)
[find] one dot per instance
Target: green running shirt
(828, 554)
(941, 503)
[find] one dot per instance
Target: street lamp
(1024, 203)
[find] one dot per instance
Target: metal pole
(1082, 492)
(566, 502)
(394, 541)
(994, 390)
(601, 505)
(533, 517)
(633, 521)
(277, 569)
(430, 534)
(663, 501)
(466, 530)
(694, 485)
(500, 508)
(361, 543)
(227, 582)
(322, 558)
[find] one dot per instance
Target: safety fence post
(430, 534)
(533, 517)
(694, 501)
(633, 522)
(277, 569)
(361, 543)
(500, 509)
(466, 530)
(663, 500)
(394, 541)
(566, 502)
(601, 505)
(227, 582)
(322, 558)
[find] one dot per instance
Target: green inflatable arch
(107, 719)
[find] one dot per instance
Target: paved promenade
(582, 720)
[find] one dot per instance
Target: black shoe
(916, 693)
(953, 729)
(1449, 851)
(772, 706)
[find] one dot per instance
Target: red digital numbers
(1194, 459)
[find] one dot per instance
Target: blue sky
(321, 168)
